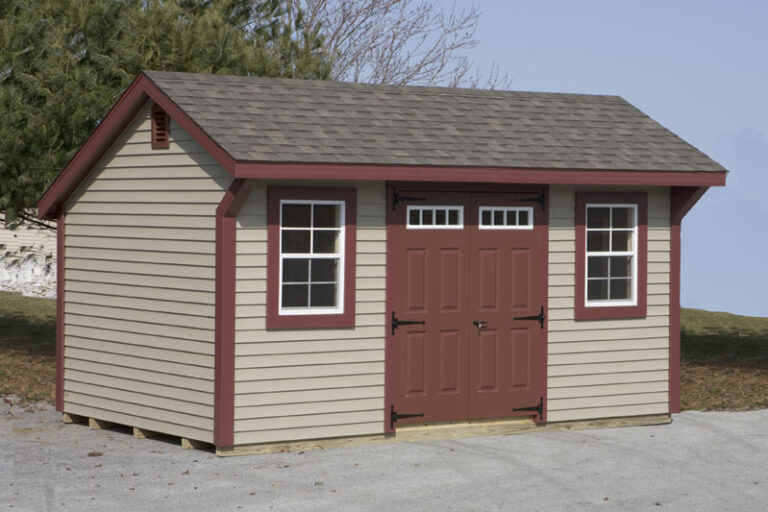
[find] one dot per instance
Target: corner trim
(224, 337)
(60, 247)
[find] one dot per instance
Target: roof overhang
(142, 90)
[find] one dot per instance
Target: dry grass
(27, 347)
(724, 361)
(724, 356)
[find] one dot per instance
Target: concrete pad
(716, 461)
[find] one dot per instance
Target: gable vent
(161, 128)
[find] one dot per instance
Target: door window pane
(506, 217)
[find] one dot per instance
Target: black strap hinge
(540, 317)
(397, 323)
(393, 416)
(397, 198)
(538, 199)
(538, 408)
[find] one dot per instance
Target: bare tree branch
(400, 42)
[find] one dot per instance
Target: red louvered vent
(161, 128)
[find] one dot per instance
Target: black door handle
(480, 324)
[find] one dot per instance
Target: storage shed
(247, 261)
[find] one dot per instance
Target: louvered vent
(161, 129)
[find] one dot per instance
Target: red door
(467, 265)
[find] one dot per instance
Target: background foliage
(63, 63)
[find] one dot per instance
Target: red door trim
(682, 200)
(60, 245)
(390, 357)
(224, 358)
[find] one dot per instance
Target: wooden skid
(70, 419)
(142, 433)
(100, 424)
(407, 434)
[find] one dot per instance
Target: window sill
(342, 320)
(610, 312)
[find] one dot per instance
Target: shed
(248, 261)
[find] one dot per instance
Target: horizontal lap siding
(606, 368)
(308, 384)
(139, 290)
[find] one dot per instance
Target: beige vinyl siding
(313, 383)
(606, 368)
(139, 291)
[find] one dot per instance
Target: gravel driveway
(714, 461)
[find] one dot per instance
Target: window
(506, 217)
(435, 217)
(611, 240)
(311, 252)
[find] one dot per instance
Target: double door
(468, 317)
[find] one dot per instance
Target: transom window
(435, 217)
(311, 257)
(506, 217)
(611, 246)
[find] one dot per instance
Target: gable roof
(278, 128)
(280, 120)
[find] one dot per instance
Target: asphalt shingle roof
(280, 120)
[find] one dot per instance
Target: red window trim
(639, 310)
(274, 196)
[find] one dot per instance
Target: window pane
(295, 271)
(324, 270)
(486, 218)
(414, 219)
(323, 295)
(327, 216)
(597, 241)
(325, 242)
(598, 217)
(511, 218)
(453, 217)
(297, 215)
(623, 217)
(295, 295)
(523, 218)
(622, 241)
(620, 289)
(295, 241)
(621, 266)
(597, 289)
(426, 217)
(498, 218)
(440, 217)
(597, 266)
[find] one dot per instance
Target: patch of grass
(724, 361)
(27, 347)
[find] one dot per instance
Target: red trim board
(224, 359)
(345, 319)
(681, 201)
(60, 246)
(581, 311)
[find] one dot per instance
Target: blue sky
(700, 68)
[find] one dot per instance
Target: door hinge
(540, 317)
(538, 408)
(393, 416)
(397, 323)
(397, 198)
(538, 199)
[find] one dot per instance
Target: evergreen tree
(63, 63)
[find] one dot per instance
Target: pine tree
(63, 63)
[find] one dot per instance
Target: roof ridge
(429, 90)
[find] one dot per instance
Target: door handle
(480, 324)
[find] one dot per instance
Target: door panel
(433, 284)
(502, 373)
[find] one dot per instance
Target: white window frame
(633, 253)
(434, 209)
(339, 255)
(506, 210)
